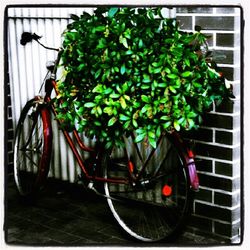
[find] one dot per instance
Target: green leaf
(186, 74)
(118, 88)
(65, 104)
(150, 14)
(168, 71)
(100, 28)
(89, 104)
(104, 134)
(107, 91)
(99, 110)
(126, 124)
(145, 98)
(71, 35)
(192, 114)
(144, 86)
(123, 102)
(172, 89)
(187, 62)
(156, 64)
(98, 89)
(129, 52)
(127, 34)
(140, 137)
(165, 118)
(152, 142)
(172, 76)
(146, 78)
(97, 73)
(114, 95)
(112, 12)
(134, 122)
(145, 108)
(97, 123)
(74, 17)
(102, 43)
(123, 69)
(81, 67)
(151, 134)
(140, 131)
(167, 125)
(157, 70)
(191, 123)
(162, 85)
(112, 121)
(140, 45)
(197, 85)
(181, 120)
(125, 87)
(123, 40)
(80, 111)
(176, 125)
(124, 117)
(108, 110)
(158, 132)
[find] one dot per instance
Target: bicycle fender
(193, 177)
(187, 157)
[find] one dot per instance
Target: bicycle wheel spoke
(144, 209)
(29, 150)
(30, 158)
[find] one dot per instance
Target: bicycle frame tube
(51, 85)
(47, 132)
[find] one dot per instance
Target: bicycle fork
(44, 164)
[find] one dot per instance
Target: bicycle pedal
(91, 186)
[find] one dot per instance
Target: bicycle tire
(157, 210)
(32, 148)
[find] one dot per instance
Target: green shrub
(128, 69)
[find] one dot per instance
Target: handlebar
(28, 37)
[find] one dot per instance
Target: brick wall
(217, 207)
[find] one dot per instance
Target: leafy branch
(131, 69)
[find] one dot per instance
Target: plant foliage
(131, 69)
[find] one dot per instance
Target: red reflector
(131, 166)
(190, 154)
(166, 190)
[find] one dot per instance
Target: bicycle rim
(154, 209)
(30, 164)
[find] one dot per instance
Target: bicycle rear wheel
(32, 149)
(153, 208)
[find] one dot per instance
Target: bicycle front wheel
(32, 149)
(155, 206)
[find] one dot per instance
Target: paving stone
(68, 216)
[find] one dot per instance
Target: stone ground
(69, 215)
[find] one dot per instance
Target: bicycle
(149, 191)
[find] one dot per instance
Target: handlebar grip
(28, 37)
